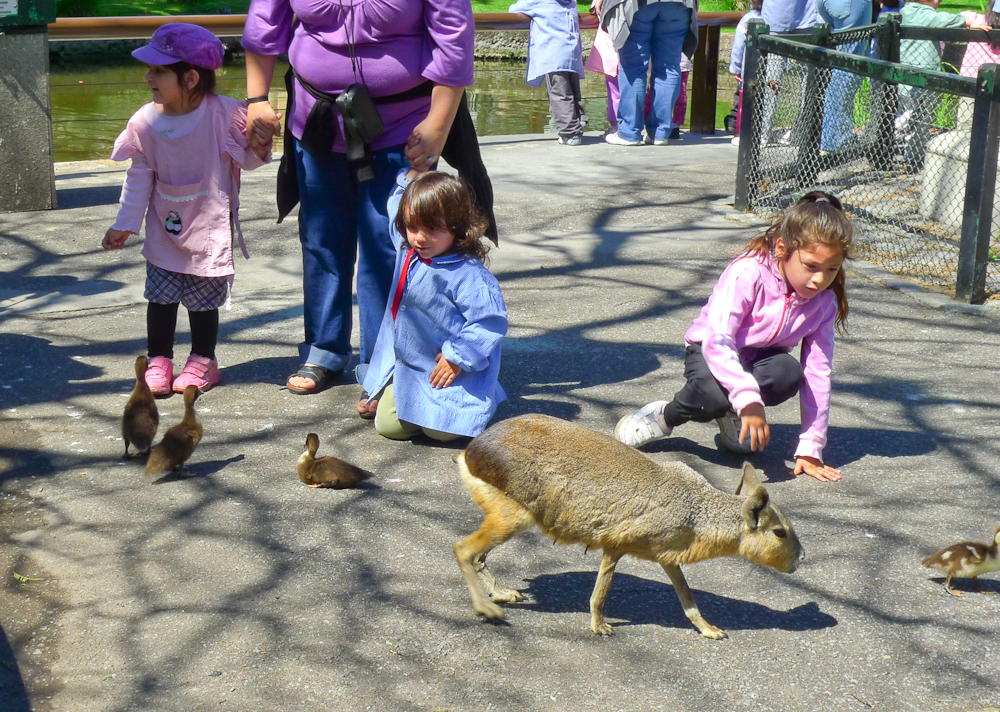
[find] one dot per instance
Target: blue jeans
(336, 216)
(657, 33)
(838, 112)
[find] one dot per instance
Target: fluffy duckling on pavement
(327, 471)
(141, 418)
(969, 559)
(180, 441)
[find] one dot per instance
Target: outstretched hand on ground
(814, 468)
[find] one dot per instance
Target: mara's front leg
(690, 607)
(604, 576)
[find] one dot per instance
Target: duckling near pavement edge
(327, 471)
(967, 559)
(180, 441)
(140, 418)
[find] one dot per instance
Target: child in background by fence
(919, 106)
(555, 54)
(786, 288)
(603, 59)
(435, 364)
(187, 147)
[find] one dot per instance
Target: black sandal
(320, 376)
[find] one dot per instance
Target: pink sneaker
(198, 371)
(159, 375)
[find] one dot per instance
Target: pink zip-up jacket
(751, 308)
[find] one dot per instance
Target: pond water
(91, 105)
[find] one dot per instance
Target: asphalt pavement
(237, 587)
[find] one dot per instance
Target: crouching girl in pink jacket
(786, 288)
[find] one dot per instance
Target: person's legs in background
(564, 105)
(670, 22)
(633, 62)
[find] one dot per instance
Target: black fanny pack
(362, 123)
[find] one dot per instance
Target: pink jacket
(196, 188)
(753, 308)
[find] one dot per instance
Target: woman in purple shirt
(415, 57)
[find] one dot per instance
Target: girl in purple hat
(187, 147)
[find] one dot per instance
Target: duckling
(141, 418)
(327, 471)
(969, 559)
(180, 441)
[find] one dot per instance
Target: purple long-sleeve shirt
(398, 45)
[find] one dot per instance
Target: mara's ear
(753, 506)
(749, 478)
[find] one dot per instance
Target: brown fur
(180, 441)
(141, 418)
(327, 471)
(583, 487)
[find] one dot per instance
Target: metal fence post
(980, 188)
(884, 99)
(751, 143)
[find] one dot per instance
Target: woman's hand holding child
(814, 468)
(445, 373)
(115, 239)
(755, 429)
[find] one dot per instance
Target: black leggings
(702, 398)
(161, 322)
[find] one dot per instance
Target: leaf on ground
(25, 579)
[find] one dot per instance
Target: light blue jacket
(845, 14)
(740, 42)
(452, 306)
(553, 39)
(787, 15)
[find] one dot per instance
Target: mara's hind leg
(608, 564)
(504, 519)
(496, 592)
(690, 607)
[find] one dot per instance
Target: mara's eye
(780, 533)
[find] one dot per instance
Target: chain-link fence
(882, 116)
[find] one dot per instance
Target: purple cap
(181, 42)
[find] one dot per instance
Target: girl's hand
(263, 123)
(115, 239)
(445, 373)
(755, 429)
(425, 144)
(814, 468)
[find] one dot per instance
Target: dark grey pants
(703, 399)
(564, 103)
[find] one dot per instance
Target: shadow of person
(637, 601)
(844, 446)
(44, 370)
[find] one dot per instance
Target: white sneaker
(735, 141)
(570, 141)
(729, 433)
(650, 141)
(616, 140)
(643, 426)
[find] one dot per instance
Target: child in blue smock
(435, 364)
(555, 55)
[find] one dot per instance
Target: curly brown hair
(434, 201)
(817, 218)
